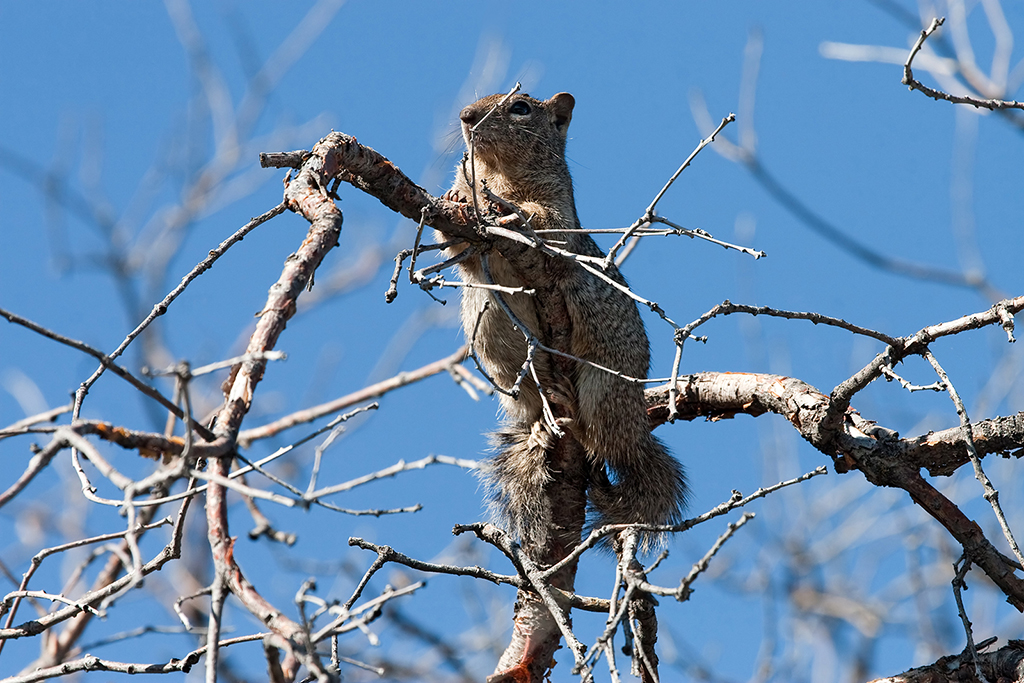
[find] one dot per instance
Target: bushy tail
(515, 477)
(647, 488)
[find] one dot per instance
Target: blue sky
(101, 93)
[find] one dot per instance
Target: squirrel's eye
(520, 108)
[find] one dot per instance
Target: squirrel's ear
(560, 107)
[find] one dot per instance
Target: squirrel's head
(517, 136)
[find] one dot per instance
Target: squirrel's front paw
(454, 195)
(487, 207)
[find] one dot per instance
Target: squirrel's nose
(469, 116)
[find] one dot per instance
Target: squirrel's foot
(569, 425)
(541, 439)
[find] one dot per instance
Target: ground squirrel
(519, 157)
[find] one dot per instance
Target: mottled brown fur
(520, 156)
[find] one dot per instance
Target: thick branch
(1004, 664)
(341, 156)
(856, 443)
(304, 195)
(942, 453)
(296, 639)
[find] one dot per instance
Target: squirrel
(518, 162)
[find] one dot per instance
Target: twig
(246, 437)
(333, 427)
(991, 494)
(88, 490)
(237, 487)
(1006, 318)
(696, 233)
(648, 214)
(379, 670)
(683, 592)
(469, 382)
(583, 262)
(75, 440)
(170, 552)
(318, 454)
(737, 500)
(673, 383)
(890, 375)
(219, 365)
(264, 527)
(959, 584)
(47, 416)
(416, 245)
(392, 291)
(914, 84)
(36, 464)
(397, 468)
(91, 663)
(346, 613)
(471, 351)
(616, 607)
(532, 342)
(902, 347)
(15, 595)
(161, 308)
(177, 605)
(263, 461)
(218, 595)
(284, 159)
(472, 148)
(727, 308)
(105, 363)
(388, 554)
